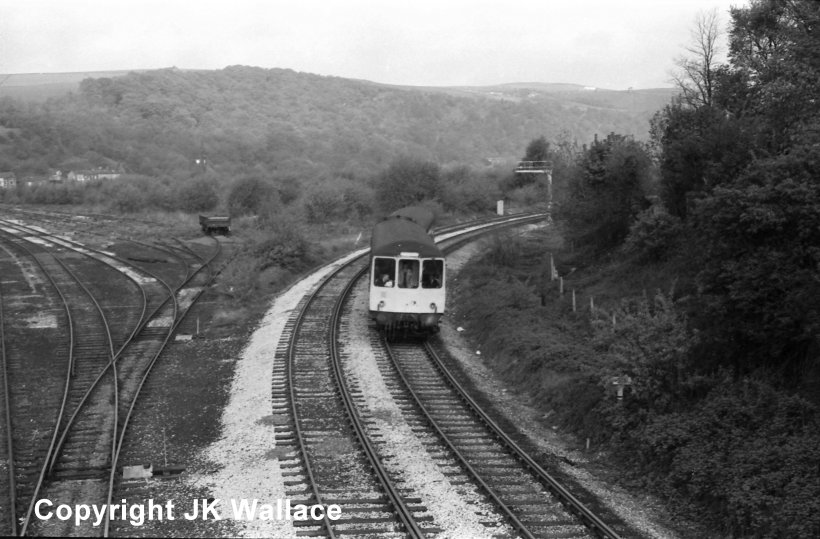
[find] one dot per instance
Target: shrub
(748, 451)
(195, 195)
(740, 447)
(407, 181)
(338, 199)
(648, 343)
(505, 249)
(466, 191)
(653, 235)
(253, 195)
(284, 244)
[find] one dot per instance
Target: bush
(749, 452)
(505, 249)
(130, 194)
(337, 200)
(653, 235)
(740, 447)
(466, 191)
(648, 343)
(195, 195)
(284, 244)
(253, 195)
(407, 181)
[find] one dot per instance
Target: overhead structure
(534, 167)
(539, 167)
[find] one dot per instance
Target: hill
(157, 122)
(41, 86)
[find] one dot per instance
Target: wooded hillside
(158, 122)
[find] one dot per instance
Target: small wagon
(217, 224)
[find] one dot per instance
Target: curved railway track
(38, 388)
(326, 435)
(331, 457)
(326, 445)
(531, 500)
(100, 390)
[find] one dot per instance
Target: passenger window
(384, 272)
(432, 273)
(408, 274)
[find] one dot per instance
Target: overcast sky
(613, 44)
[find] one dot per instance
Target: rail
(400, 507)
(590, 519)
(7, 418)
(118, 433)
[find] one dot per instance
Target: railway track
(331, 454)
(530, 499)
(100, 390)
(39, 391)
(331, 461)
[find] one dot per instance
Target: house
(8, 180)
(83, 176)
(31, 181)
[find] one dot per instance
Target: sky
(615, 44)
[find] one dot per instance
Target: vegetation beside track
(740, 450)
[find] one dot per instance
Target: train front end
(407, 278)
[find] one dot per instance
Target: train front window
(408, 274)
(384, 272)
(432, 273)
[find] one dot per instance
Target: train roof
(421, 215)
(397, 235)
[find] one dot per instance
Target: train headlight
(433, 306)
(381, 304)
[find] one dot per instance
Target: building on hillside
(83, 176)
(8, 180)
(31, 181)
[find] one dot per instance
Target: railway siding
(99, 396)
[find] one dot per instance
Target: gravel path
(248, 468)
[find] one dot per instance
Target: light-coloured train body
(407, 274)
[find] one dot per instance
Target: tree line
(724, 199)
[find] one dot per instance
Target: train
(407, 274)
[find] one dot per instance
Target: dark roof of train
(396, 235)
(422, 216)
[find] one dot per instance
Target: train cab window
(384, 272)
(408, 274)
(432, 273)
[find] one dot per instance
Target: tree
(696, 73)
(700, 148)
(607, 190)
(537, 150)
(407, 181)
(253, 195)
(775, 56)
(759, 227)
(196, 194)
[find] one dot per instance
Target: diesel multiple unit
(407, 277)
